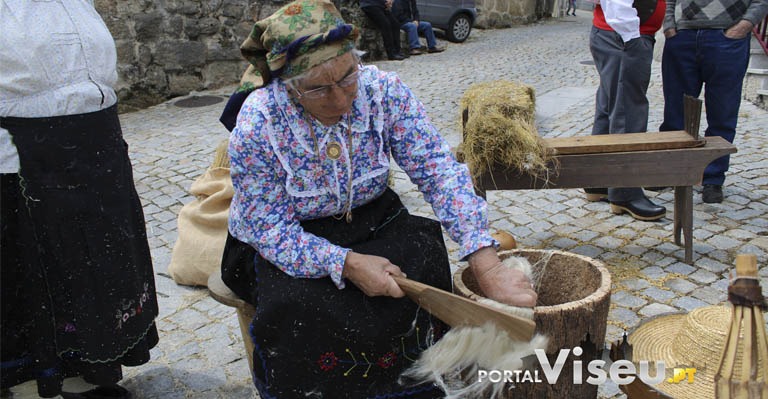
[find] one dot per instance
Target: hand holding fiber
(500, 283)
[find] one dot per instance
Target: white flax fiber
(454, 361)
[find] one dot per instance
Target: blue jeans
(696, 57)
(425, 28)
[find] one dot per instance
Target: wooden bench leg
(245, 315)
(684, 219)
(245, 311)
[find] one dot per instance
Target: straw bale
(500, 128)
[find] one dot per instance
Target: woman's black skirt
(78, 291)
(313, 340)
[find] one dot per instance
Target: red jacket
(649, 27)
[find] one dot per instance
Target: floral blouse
(282, 176)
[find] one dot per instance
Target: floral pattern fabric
(282, 176)
(297, 37)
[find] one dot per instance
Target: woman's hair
(294, 81)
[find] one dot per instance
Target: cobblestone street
(201, 353)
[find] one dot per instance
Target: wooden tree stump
(572, 310)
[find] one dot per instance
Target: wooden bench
(588, 162)
(245, 311)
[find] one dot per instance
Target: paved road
(201, 355)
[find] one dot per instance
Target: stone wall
(169, 48)
(173, 47)
(504, 13)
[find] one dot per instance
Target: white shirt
(57, 57)
(622, 18)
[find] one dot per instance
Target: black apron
(78, 291)
(313, 340)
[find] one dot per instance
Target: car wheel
(459, 28)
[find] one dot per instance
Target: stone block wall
(505, 13)
(170, 48)
(173, 47)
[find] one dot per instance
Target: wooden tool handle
(746, 265)
(506, 240)
(459, 311)
(410, 287)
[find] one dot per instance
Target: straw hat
(695, 339)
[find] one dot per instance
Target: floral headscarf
(297, 37)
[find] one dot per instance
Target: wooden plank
(675, 167)
(606, 143)
(457, 311)
(222, 294)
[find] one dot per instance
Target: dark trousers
(388, 26)
(571, 6)
(692, 58)
(621, 105)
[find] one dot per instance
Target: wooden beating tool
(457, 311)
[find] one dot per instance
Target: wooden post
(692, 115)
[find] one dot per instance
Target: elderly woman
(316, 235)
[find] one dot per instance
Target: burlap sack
(202, 226)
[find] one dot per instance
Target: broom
(746, 338)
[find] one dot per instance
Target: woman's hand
(372, 274)
(501, 283)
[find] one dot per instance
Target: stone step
(757, 71)
(758, 60)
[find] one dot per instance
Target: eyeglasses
(325, 91)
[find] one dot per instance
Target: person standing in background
(380, 12)
(407, 15)
(571, 6)
(707, 43)
(621, 43)
(78, 290)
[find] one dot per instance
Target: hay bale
(500, 129)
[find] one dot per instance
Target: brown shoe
(436, 50)
(415, 51)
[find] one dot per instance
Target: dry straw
(500, 129)
(221, 158)
(726, 344)
(692, 339)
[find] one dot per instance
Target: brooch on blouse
(333, 151)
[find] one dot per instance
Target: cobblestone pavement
(201, 354)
